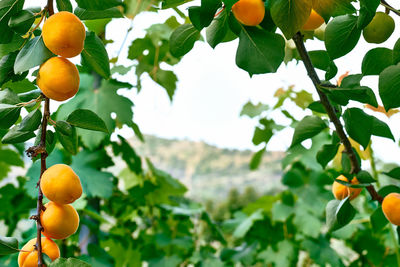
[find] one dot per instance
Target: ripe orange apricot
(60, 184)
(249, 12)
(28, 256)
(59, 221)
(341, 191)
(391, 208)
(313, 22)
(64, 34)
(58, 79)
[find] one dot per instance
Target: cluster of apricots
(64, 35)
(59, 220)
(390, 204)
(252, 12)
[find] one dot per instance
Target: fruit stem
(355, 167)
(395, 243)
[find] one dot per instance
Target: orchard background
(136, 214)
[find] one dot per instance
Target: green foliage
(133, 213)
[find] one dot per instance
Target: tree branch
(41, 149)
(389, 7)
(355, 167)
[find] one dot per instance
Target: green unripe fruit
(379, 29)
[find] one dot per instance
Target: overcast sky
(212, 90)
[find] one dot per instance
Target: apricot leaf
(8, 245)
(259, 51)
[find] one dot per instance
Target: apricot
(28, 256)
(58, 79)
(391, 208)
(60, 184)
(341, 191)
(313, 22)
(64, 34)
(379, 29)
(59, 221)
(249, 12)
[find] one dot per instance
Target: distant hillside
(208, 171)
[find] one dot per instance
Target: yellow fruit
(59, 221)
(391, 208)
(64, 34)
(341, 191)
(379, 29)
(249, 12)
(28, 256)
(313, 22)
(58, 79)
(60, 184)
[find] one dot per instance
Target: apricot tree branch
(389, 7)
(355, 167)
(41, 148)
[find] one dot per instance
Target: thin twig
(389, 7)
(355, 167)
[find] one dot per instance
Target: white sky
(212, 90)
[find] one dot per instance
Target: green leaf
(259, 51)
(394, 173)
(380, 128)
(11, 157)
(386, 190)
(129, 155)
(308, 127)
(333, 8)
(365, 177)
(339, 213)
(70, 262)
(31, 122)
(166, 79)
(341, 35)
(67, 136)
(22, 21)
(103, 101)
(8, 8)
(7, 67)
(326, 154)
(389, 82)
(378, 219)
(88, 165)
(246, 224)
(87, 119)
(218, 29)
(64, 5)
(376, 60)
(256, 159)
(15, 136)
(396, 52)
(182, 39)
(202, 16)
(9, 114)
(14, 45)
(290, 15)
(98, 4)
(358, 125)
(95, 55)
(20, 86)
(251, 110)
(31, 55)
(367, 12)
(84, 14)
(285, 254)
(342, 96)
(8, 245)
